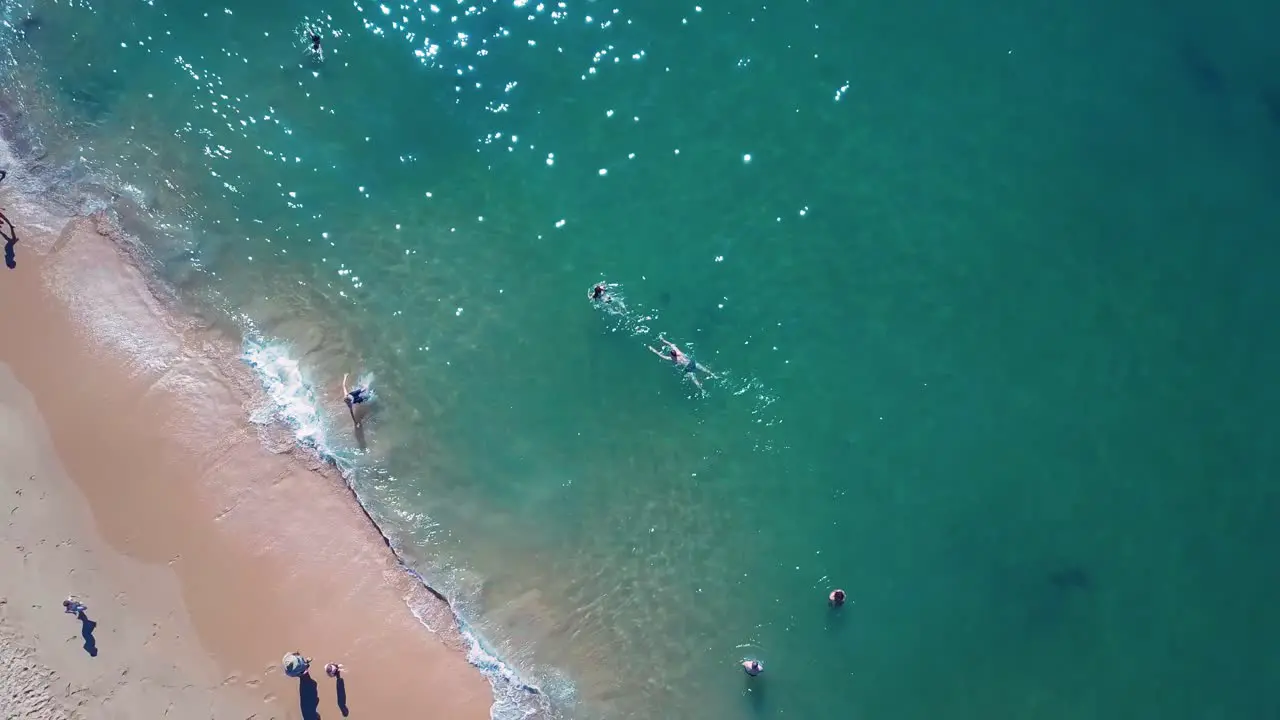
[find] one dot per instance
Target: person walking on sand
(333, 670)
(295, 665)
(355, 396)
(686, 364)
(600, 294)
(72, 606)
(753, 667)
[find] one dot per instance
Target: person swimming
(836, 598)
(602, 296)
(753, 667)
(315, 46)
(355, 396)
(600, 293)
(688, 365)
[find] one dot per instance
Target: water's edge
(268, 365)
(77, 193)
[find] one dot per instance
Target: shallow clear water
(989, 289)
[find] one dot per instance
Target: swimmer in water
(354, 397)
(600, 293)
(313, 36)
(753, 667)
(836, 598)
(688, 365)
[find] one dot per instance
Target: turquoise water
(990, 290)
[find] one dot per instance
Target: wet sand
(204, 546)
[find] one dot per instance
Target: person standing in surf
(355, 396)
(686, 364)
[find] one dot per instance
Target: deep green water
(993, 298)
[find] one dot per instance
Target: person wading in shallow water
(355, 396)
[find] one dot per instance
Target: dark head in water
(597, 292)
(315, 42)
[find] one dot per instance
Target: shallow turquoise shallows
(989, 290)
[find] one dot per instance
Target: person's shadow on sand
(308, 697)
(10, 236)
(86, 631)
(342, 696)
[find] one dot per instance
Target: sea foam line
(294, 403)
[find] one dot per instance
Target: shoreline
(238, 537)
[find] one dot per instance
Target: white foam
(293, 402)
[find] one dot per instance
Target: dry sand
(146, 658)
(131, 478)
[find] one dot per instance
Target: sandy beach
(204, 546)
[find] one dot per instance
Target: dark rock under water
(1200, 70)
(1270, 98)
(1071, 578)
(93, 106)
(29, 25)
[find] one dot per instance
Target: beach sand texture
(204, 546)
